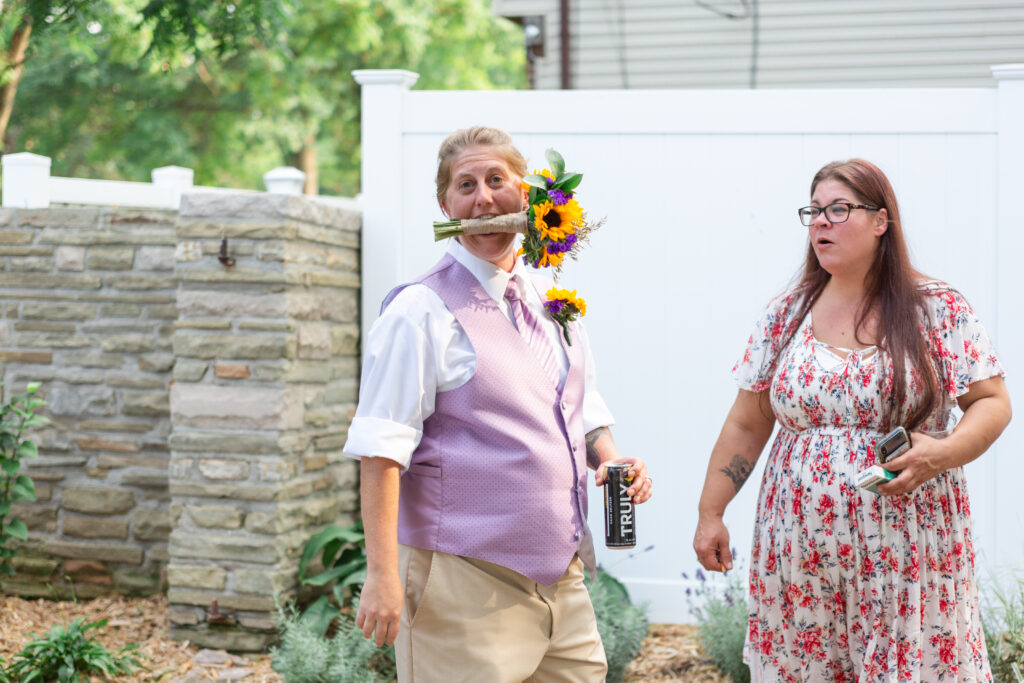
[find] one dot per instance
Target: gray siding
(808, 43)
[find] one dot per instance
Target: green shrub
(622, 625)
(1003, 622)
(16, 417)
(306, 655)
(66, 654)
(720, 607)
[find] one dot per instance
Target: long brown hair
(892, 291)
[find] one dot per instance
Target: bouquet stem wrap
(509, 222)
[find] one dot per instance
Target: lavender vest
(500, 474)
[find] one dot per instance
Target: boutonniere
(564, 307)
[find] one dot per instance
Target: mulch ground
(670, 653)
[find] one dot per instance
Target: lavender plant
(621, 624)
(719, 605)
(1003, 622)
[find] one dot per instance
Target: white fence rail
(700, 190)
(29, 185)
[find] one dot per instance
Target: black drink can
(619, 512)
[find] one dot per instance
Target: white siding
(802, 43)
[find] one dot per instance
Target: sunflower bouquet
(554, 225)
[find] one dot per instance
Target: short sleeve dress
(845, 585)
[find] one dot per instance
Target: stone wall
(88, 303)
(264, 389)
(199, 409)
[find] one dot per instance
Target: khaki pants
(473, 621)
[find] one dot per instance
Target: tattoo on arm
(738, 470)
(593, 460)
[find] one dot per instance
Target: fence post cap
(400, 77)
(24, 159)
(284, 180)
(173, 175)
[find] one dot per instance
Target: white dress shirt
(417, 348)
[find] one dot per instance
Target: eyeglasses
(835, 213)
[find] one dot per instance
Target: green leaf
(5, 507)
(535, 180)
(334, 573)
(10, 467)
(556, 162)
(22, 494)
(355, 578)
(319, 615)
(352, 534)
(16, 528)
(27, 449)
(569, 182)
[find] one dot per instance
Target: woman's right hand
(711, 541)
(380, 606)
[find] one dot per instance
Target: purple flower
(701, 576)
(558, 197)
(555, 306)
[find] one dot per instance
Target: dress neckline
(840, 352)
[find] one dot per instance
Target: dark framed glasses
(839, 212)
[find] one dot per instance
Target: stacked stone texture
(199, 409)
(88, 307)
(265, 385)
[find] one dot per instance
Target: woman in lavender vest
(474, 439)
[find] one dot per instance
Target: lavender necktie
(531, 331)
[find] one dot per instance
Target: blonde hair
(481, 136)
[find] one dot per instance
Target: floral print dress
(845, 585)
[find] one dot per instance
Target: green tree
(165, 24)
(105, 105)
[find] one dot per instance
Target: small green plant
(343, 556)
(720, 607)
(16, 417)
(66, 654)
(622, 625)
(1003, 622)
(305, 655)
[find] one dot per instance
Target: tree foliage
(102, 102)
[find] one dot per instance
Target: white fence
(29, 185)
(700, 190)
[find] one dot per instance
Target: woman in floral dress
(845, 584)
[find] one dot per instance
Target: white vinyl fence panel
(700, 191)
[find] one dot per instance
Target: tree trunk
(306, 161)
(15, 59)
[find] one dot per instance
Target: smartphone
(892, 445)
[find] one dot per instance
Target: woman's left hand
(922, 462)
(640, 489)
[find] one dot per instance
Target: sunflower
(569, 297)
(555, 222)
(546, 173)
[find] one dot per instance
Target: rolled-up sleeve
(595, 410)
(397, 387)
